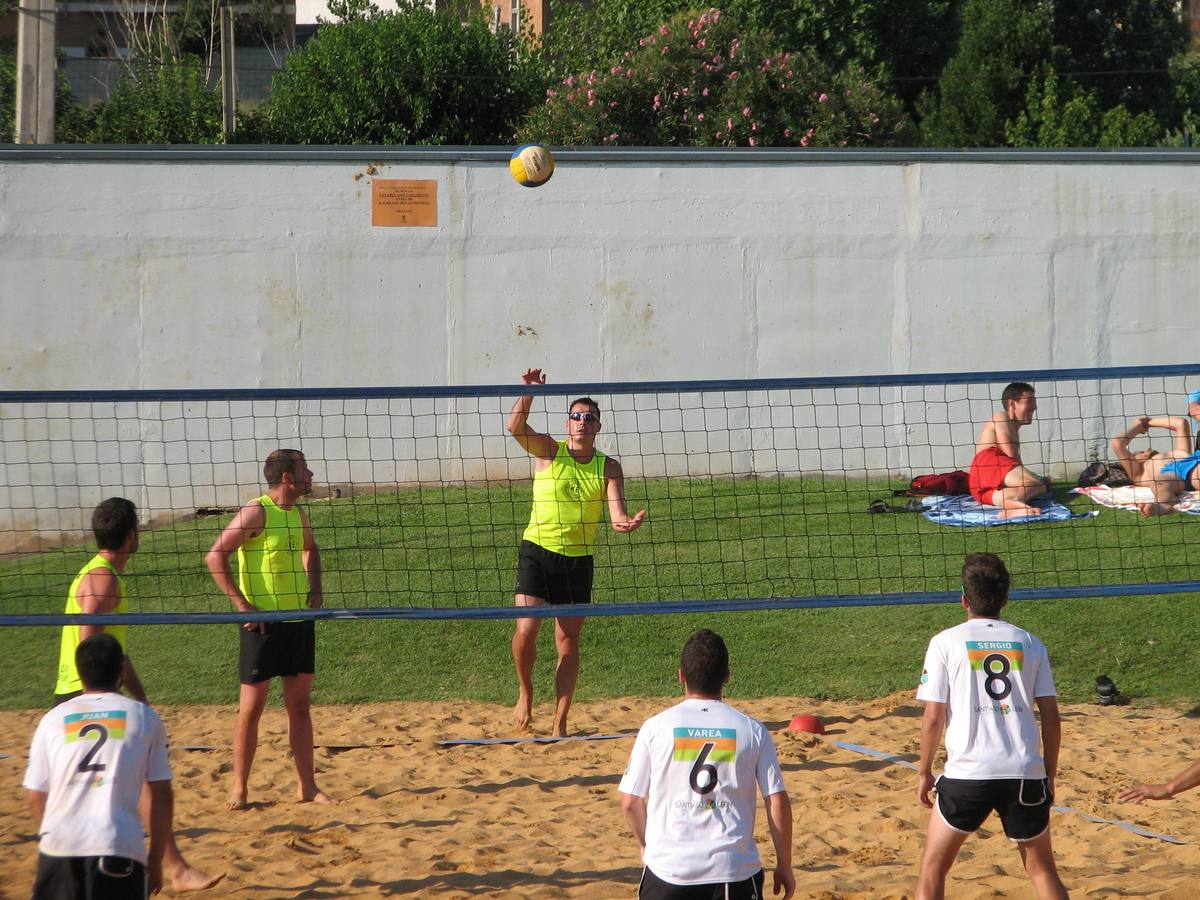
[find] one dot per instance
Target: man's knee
(567, 632)
(252, 703)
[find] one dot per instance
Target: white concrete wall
(173, 271)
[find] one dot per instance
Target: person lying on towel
(1169, 474)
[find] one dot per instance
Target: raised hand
(533, 376)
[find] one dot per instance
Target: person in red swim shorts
(998, 477)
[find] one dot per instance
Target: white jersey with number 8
(989, 673)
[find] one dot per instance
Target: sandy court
(544, 821)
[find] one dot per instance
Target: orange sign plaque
(404, 202)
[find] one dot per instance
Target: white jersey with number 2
(702, 765)
(989, 672)
(92, 755)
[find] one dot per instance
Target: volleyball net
(756, 491)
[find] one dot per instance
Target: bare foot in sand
(317, 796)
(559, 729)
(236, 801)
(185, 879)
(522, 714)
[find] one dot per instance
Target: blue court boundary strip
(577, 388)
(658, 607)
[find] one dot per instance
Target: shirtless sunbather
(1168, 474)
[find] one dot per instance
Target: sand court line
(480, 742)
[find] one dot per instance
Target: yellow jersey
(68, 675)
(568, 497)
(270, 566)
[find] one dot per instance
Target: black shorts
(552, 577)
(287, 648)
(89, 878)
(654, 888)
(63, 698)
(1023, 804)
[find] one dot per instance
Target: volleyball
(531, 165)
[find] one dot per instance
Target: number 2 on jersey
(86, 764)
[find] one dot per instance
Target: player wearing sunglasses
(571, 482)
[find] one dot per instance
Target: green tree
(983, 85)
(1119, 50)
(152, 103)
(411, 77)
(1185, 100)
(1060, 113)
(702, 79)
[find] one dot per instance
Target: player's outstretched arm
(933, 723)
(535, 443)
(1184, 781)
(249, 522)
(614, 489)
(779, 821)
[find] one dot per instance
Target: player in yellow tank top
(270, 566)
(99, 588)
(279, 567)
(572, 483)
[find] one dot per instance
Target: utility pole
(228, 75)
(35, 72)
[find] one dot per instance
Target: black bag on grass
(1106, 473)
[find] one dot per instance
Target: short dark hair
(705, 662)
(113, 521)
(100, 660)
(280, 462)
(588, 401)
(985, 583)
(1015, 391)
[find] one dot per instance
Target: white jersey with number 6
(989, 672)
(91, 756)
(701, 765)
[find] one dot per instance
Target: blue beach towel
(965, 510)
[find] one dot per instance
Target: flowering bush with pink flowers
(702, 80)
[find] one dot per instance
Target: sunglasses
(588, 417)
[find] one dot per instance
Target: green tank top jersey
(567, 499)
(68, 676)
(270, 566)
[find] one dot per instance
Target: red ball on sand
(805, 722)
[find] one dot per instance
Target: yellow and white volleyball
(531, 165)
